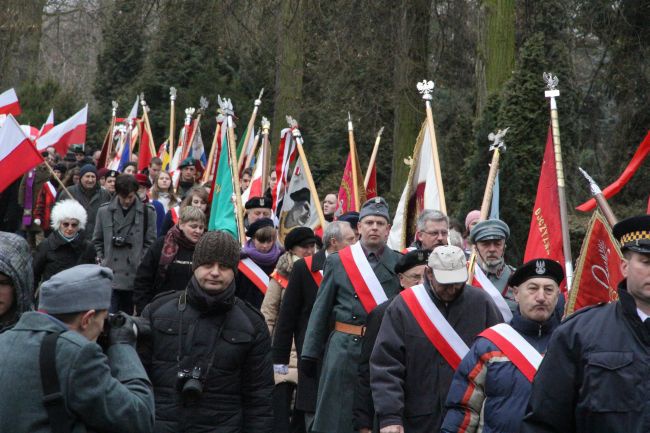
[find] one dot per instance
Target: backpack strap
(52, 397)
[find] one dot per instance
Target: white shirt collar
(642, 315)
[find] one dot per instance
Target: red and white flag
(49, 124)
(598, 269)
(255, 187)
(287, 153)
(545, 234)
(66, 134)
(17, 153)
(9, 103)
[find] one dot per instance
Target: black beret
(300, 236)
(258, 202)
(351, 217)
(260, 223)
(634, 234)
(411, 259)
(537, 268)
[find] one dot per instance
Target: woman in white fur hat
(66, 246)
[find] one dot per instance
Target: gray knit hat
(80, 288)
(217, 246)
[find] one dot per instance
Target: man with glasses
(410, 271)
(432, 230)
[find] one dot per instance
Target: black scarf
(208, 303)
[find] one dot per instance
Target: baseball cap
(448, 264)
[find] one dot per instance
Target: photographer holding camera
(124, 230)
(55, 378)
(209, 354)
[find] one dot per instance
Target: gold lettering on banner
(543, 229)
(600, 272)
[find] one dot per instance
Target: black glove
(123, 330)
(308, 366)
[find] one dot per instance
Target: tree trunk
(412, 27)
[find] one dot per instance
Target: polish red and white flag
(17, 153)
(49, 124)
(9, 103)
(66, 134)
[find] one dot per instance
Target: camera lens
(192, 390)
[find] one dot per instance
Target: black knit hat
(216, 247)
(300, 236)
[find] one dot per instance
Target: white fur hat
(65, 209)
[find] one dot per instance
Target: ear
(86, 318)
(625, 265)
(515, 293)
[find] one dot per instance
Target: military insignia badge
(540, 267)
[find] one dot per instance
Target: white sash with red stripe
(254, 273)
(481, 280)
(434, 325)
(175, 213)
(363, 278)
(519, 351)
(50, 189)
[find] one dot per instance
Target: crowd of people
(119, 311)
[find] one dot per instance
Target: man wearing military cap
(508, 354)
(55, 375)
(356, 280)
(594, 376)
(257, 208)
(187, 179)
(489, 237)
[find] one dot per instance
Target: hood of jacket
(16, 263)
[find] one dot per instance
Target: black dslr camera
(189, 383)
(120, 241)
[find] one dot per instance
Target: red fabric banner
(545, 235)
(598, 270)
(371, 189)
(624, 178)
(144, 156)
(346, 199)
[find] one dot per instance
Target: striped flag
(17, 153)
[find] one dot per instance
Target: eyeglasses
(71, 225)
(441, 233)
(413, 277)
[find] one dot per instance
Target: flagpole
(172, 119)
(266, 155)
(234, 167)
(249, 158)
(353, 163)
(251, 123)
(189, 112)
(305, 165)
(51, 170)
(213, 149)
(147, 126)
(373, 158)
(109, 133)
(552, 93)
(425, 88)
(496, 146)
(600, 199)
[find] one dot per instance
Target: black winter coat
(297, 302)
(55, 254)
(148, 281)
(594, 377)
(237, 388)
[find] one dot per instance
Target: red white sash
(316, 275)
(50, 189)
(519, 351)
(174, 213)
(363, 278)
(254, 273)
(434, 325)
(481, 280)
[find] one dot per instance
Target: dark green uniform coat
(337, 301)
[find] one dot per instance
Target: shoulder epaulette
(583, 310)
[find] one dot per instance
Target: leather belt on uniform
(346, 328)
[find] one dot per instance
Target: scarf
(215, 303)
(65, 238)
(262, 259)
(174, 239)
(29, 198)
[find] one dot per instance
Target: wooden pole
(249, 158)
(251, 124)
(213, 149)
(353, 163)
(109, 134)
(552, 93)
(426, 87)
(239, 209)
(266, 153)
(59, 180)
(172, 120)
(310, 179)
(373, 158)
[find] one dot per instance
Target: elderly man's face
(412, 277)
(491, 251)
(446, 292)
(435, 234)
(88, 180)
(537, 298)
(257, 213)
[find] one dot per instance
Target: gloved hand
(123, 330)
(281, 369)
(308, 366)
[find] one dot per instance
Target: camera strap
(52, 397)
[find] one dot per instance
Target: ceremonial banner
(49, 124)
(371, 190)
(125, 157)
(624, 178)
(144, 156)
(494, 207)
(545, 234)
(17, 153)
(434, 325)
(598, 270)
(287, 153)
(222, 208)
(255, 187)
(66, 134)
(519, 351)
(421, 192)
(363, 278)
(346, 197)
(198, 151)
(298, 206)
(9, 103)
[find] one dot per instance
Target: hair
(69, 175)
(68, 208)
(455, 238)
(265, 234)
(190, 214)
(248, 171)
(430, 215)
(454, 224)
(125, 184)
(132, 163)
(195, 190)
(67, 318)
(155, 191)
(334, 230)
(155, 161)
